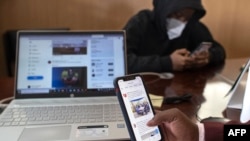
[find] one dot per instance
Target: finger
(164, 116)
(183, 51)
(157, 111)
(203, 61)
(206, 61)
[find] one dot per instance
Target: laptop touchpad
(46, 133)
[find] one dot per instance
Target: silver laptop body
(64, 87)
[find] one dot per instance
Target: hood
(163, 8)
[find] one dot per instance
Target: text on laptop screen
(69, 62)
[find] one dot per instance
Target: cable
(3, 101)
(2, 106)
(6, 99)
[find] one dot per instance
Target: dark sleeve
(136, 28)
(214, 130)
(153, 63)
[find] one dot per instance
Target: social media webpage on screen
(59, 64)
(139, 109)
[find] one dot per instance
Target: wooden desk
(193, 82)
(208, 87)
(6, 87)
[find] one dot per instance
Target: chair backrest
(9, 40)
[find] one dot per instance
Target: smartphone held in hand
(137, 108)
(204, 46)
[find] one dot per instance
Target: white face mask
(174, 28)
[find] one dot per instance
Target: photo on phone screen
(137, 108)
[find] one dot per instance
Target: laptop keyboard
(61, 115)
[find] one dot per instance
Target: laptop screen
(68, 63)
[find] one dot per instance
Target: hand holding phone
(137, 108)
(204, 46)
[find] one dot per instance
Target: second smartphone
(137, 108)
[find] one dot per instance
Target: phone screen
(204, 46)
(138, 108)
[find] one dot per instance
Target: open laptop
(64, 87)
(237, 93)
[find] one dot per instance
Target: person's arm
(213, 131)
(177, 125)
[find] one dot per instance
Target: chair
(10, 41)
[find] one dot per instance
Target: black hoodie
(148, 45)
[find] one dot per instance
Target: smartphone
(202, 47)
(137, 108)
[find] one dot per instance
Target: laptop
(237, 93)
(64, 87)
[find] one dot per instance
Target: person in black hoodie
(162, 39)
